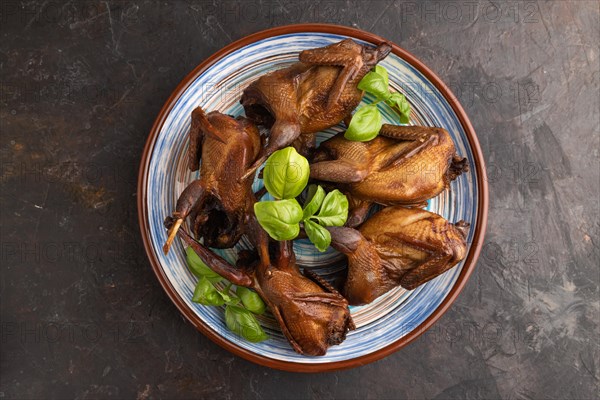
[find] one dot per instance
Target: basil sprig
(332, 211)
(208, 295)
(286, 173)
(365, 124)
(279, 218)
(314, 199)
(251, 300)
(199, 268)
(366, 121)
(239, 307)
(317, 234)
(376, 82)
(242, 322)
(285, 177)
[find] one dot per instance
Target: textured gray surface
(82, 312)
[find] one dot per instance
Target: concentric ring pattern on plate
(379, 324)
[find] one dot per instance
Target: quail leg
(339, 55)
(359, 209)
(217, 263)
(337, 171)
(188, 200)
(420, 138)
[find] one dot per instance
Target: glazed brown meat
(397, 246)
(217, 202)
(403, 165)
(311, 314)
(311, 95)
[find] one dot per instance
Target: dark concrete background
(84, 316)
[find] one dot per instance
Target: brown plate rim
(471, 259)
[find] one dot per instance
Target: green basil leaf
(286, 173)
(279, 218)
(206, 294)
(199, 268)
(383, 72)
(251, 300)
(399, 102)
(225, 295)
(320, 236)
(365, 124)
(314, 199)
(334, 210)
(375, 84)
(244, 323)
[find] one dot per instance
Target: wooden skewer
(172, 234)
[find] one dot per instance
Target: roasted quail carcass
(397, 246)
(403, 165)
(217, 202)
(311, 95)
(311, 314)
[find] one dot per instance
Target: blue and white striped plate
(384, 322)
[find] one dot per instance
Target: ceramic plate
(392, 320)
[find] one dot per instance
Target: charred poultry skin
(217, 202)
(311, 314)
(311, 95)
(398, 246)
(403, 165)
